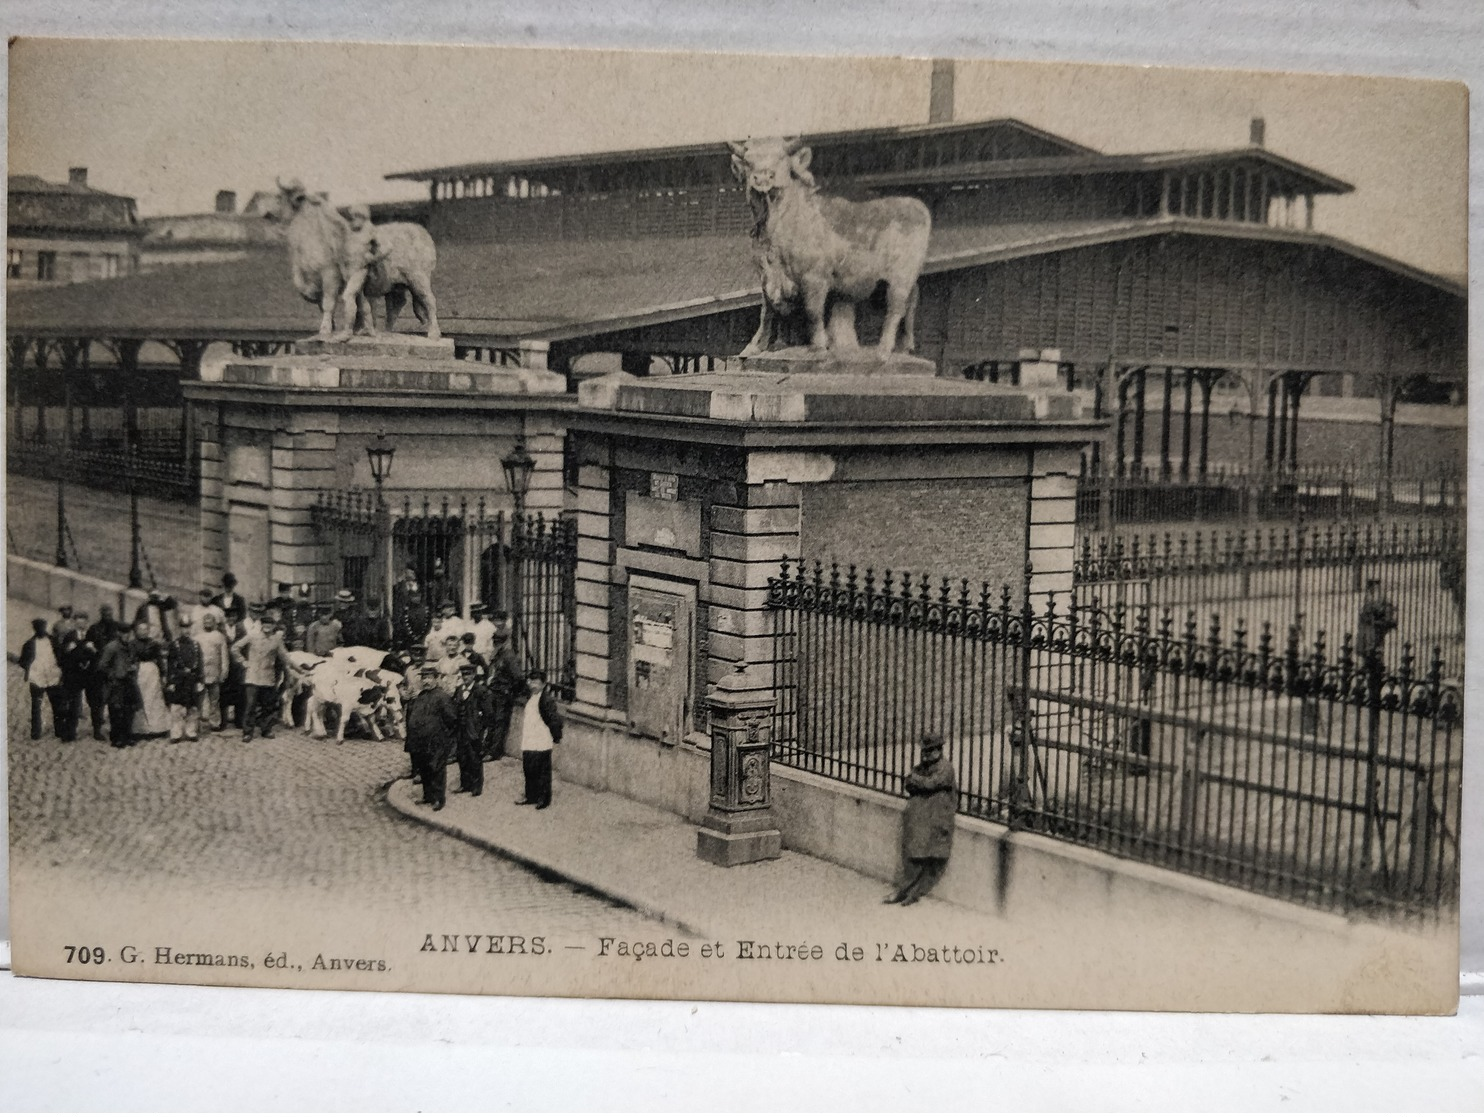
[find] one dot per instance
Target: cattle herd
(358, 684)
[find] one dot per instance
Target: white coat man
(216, 662)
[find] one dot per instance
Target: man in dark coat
(233, 606)
(1377, 619)
(119, 665)
(432, 736)
(367, 627)
(79, 666)
(95, 686)
(184, 683)
(927, 827)
(413, 620)
(476, 713)
(507, 685)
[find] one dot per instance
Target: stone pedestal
(693, 489)
(277, 431)
(858, 362)
(739, 828)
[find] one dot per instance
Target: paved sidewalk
(645, 858)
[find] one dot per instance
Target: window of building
(113, 265)
(12, 263)
(46, 265)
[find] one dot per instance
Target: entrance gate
(456, 550)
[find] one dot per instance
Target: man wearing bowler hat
(927, 826)
(432, 735)
(475, 714)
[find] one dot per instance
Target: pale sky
(170, 123)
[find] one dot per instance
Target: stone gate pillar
(740, 828)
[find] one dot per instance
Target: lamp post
(380, 453)
(136, 576)
(61, 555)
(518, 466)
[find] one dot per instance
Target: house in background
(68, 232)
(210, 238)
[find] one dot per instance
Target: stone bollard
(739, 828)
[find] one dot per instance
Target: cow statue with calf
(817, 253)
(342, 261)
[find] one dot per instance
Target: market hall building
(1184, 296)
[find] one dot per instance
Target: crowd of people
(227, 665)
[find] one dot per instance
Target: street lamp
(380, 453)
(518, 466)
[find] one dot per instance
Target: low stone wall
(54, 586)
(1025, 879)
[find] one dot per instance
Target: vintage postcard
(892, 531)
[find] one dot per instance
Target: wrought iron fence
(1311, 773)
(1144, 495)
(1314, 577)
(156, 468)
(416, 553)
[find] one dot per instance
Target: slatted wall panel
(1230, 303)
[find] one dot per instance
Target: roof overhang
(718, 147)
(1057, 166)
(480, 323)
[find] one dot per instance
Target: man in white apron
(540, 728)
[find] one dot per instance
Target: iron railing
(1312, 577)
(156, 467)
(455, 548)
(1145, 495)
(1306, 772)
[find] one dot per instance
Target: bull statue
(340, 263)
(810, 246)
(390, 261)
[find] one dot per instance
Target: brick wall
(971, 529)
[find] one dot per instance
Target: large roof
(34, 184)
(499, 293)
(1303, 177)
(714, 147)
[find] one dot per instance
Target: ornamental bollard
(739, 828)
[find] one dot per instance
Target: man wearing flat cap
(927, 826)
(432, 735)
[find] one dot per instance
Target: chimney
(940, 95)
(1259, 133)
(77, 176)
(226, 201)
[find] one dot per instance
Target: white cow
(305, 664)
(371, 693)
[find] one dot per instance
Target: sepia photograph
(712, 526)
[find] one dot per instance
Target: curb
(605, 891)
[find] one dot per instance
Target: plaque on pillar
(739, 827)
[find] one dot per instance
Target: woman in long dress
(153, 716)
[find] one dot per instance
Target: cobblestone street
(219, 819)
